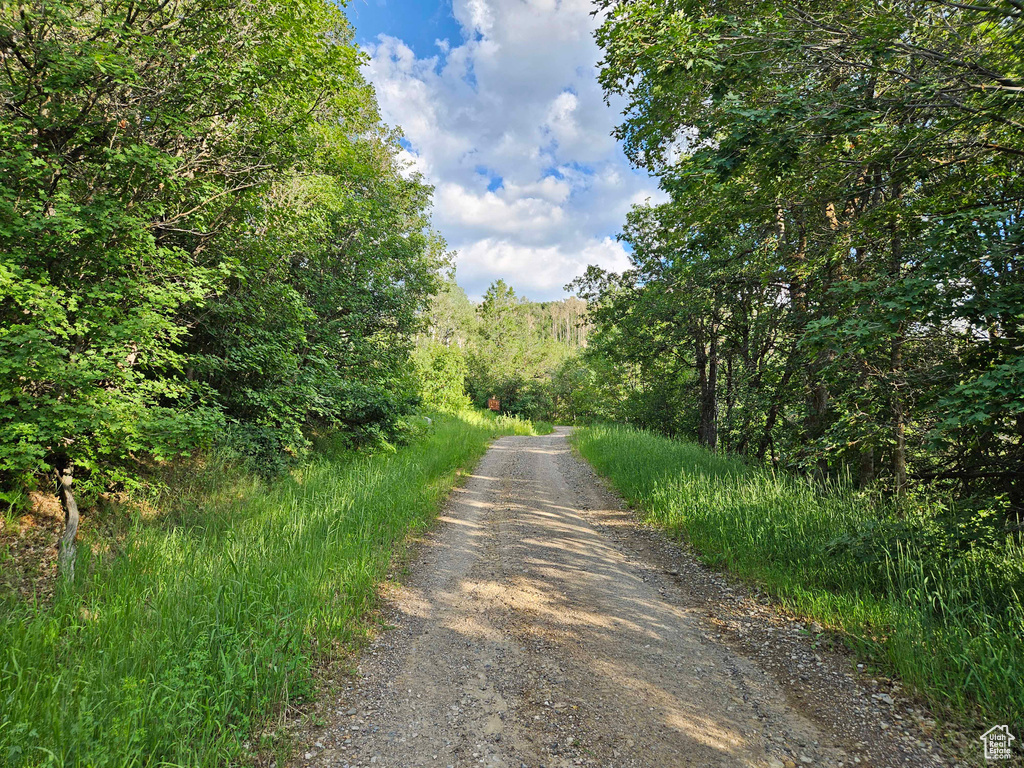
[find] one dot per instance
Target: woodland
(225, 317)
(205, 235)
(203, 247)
(827, 315)
(835, 285)
(505, 347)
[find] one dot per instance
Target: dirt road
(541, 626)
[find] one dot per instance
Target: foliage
(934, 595)
(213, 613)
(835, 283)
(442, 375)
(202, 223)
(508, 348)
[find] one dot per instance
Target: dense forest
(204, 233)
(207, 237)
(506, 347)
(229, 332)
(213, 271)
(199, 247)
(835, 284)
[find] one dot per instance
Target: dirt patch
(28, 549)
(877, 721)
(542, 626)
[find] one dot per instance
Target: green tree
(843, 231)
(202, 221)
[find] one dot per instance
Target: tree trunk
(707, 380)
(1017, 484)
(899, 452)
(867, 467)
(899, 457)
(68, 547)
(729, 399)
(777, 399)
(818, 403)
(701, 362)
(816, 390)
(711, 401)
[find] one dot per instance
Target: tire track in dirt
(537, 628)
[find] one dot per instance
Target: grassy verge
(933, 597)
(213, 612)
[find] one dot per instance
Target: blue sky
(502, 113)
(417, 24)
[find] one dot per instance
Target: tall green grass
(939, 606)
(207, 619)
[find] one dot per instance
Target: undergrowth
(212, 611)
(543, 427)
(933, 593)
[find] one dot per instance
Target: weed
(543, 428)
(934, 596)
(211, 617)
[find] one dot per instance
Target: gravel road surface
(540, 625)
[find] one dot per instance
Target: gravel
(542, 625)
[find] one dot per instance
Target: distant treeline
(205, 233)
(506, 347)
(836, 282)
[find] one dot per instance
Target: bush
(441, 374)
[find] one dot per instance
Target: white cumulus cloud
(535, 270)
(510, 126)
